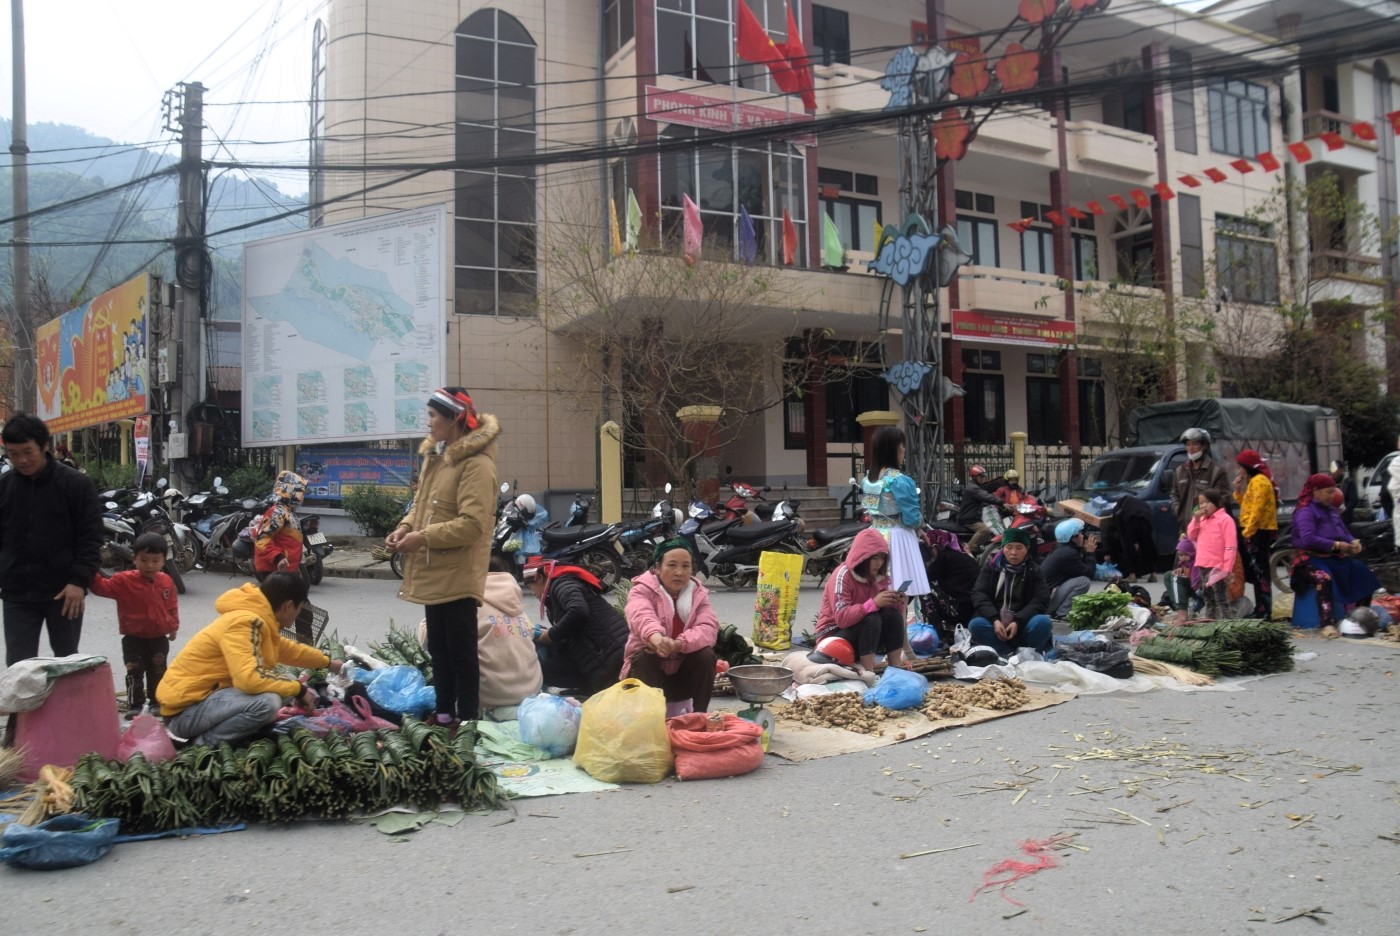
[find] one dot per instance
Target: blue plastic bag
(897, 689)
(550, 722)
(399, 689)
(923, 639)
(61, 842)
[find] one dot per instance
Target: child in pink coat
(1213, 531)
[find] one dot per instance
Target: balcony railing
(1338, 263)
(1318, 122)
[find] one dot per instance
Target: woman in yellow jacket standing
(446, 542)
(1258, 500)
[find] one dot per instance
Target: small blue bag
(399, 689)
(61, 842)
(550, 722)
(923, 639)
(897, 689)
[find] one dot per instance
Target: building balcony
(1339, 276)
(1356, 154)
(1101, 149)
(848, 89)
(994, 289)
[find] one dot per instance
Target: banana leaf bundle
(293, 776)
(1199, 655)
(401, 648)
(1264, 646)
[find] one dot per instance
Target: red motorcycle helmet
(976, 471)
(833, 650)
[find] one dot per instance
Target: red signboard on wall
(710, 113)
(1011, 329)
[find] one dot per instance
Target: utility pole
(184, 113)
(23, 335)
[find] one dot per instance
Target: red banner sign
(1011, 329)
(709, 113)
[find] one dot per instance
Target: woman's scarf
(1315, 482)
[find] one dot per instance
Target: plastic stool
(79, 716)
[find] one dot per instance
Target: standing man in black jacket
(50, 543)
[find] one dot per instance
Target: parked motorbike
(738, 505)
(639, 537)
(317, 547)
(142, 513)
(578, 511)
(826, 548)
(1378, 551)
(736, 565)
(228, 536)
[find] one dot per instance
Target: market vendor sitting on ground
(1325, 552)
(224, 685)
(1011, 599)
(1069, 570)
(582, 648)
(672, 628)
(860, 605)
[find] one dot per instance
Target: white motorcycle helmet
(526, 505)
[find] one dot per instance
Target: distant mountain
(68, 162)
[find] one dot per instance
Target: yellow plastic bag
(779, 578)
(623, 737)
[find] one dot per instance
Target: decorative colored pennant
(1333, 140)
(1242, 166)
(1301, 151)
(1140, 198)
(1364, 131)
(1215, 175)
(1055, 218)
(1394, 118)
(1119, 202)
(1095, 208)
(1189, 181)
(1269, 161)
(1076, 214)
(1164, 191)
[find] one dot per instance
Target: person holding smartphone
(1069, 570)
(859, 605)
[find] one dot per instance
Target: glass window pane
(475, 144)
(671, 43)
(475, 195)
(713, 45)
(476, 291)
(516, 64)
(516, 143)
(517, 293)
(508, 29)
(476, 243)
(629, 26)
(474, 57)
(476, 100)
(987, 244)
(1232, 125)
(716, 179)
(481, 24)
(715, 9)
(753, 182)
(867, 216)
(517, 199)
(516, 247)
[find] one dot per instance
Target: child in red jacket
(148, 614)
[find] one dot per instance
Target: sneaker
(132, 713)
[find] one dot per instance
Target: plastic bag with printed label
(622, 736)
(779, 577)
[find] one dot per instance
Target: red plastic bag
(146, 736)
(704, 755)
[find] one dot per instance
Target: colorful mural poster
(93, 361)
(332, 473)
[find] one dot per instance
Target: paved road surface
(1297, 807)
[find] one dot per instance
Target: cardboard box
(1073, 507)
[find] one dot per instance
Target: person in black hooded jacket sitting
(1011, 599)
(586, 636)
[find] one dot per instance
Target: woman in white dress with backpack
(892, 499)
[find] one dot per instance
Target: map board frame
(361, 383)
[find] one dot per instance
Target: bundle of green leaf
(401, 648)
(1092, 611)
(296, 775)
(734, 647)
(1231, 647)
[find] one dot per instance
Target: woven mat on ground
(796, 742)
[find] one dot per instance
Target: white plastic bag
(550, 722)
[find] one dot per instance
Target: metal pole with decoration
(915, 255)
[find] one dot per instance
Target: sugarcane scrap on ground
(294, 776)
(1244, 647)
(49, 795)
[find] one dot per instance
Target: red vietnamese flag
(1332, 139)
(1394, 118)
(1076, 214)
(1189, 181)
(1164, 191)
(1301, 151)
(1119, 201)
(1215, 175)
(1094, 208)
(1055, 218)
(1242, 166)
(1364, 131)
(1140, 198)
(801, 69)
(789, 239)
(752, 43)
(1269, 161)
(1020, 227)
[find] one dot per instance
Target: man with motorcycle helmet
(535, 519)
(1069, 570)
(1010, 492)
(1198, 474)
(975, 499)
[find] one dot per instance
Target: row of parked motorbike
(204, 530)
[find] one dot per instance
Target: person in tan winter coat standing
(446, 542)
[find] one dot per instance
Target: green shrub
(375, 512)
(108, 475)
(247, 481)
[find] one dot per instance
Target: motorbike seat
(719, 526)
(951, 526)
(569, 536)
(764, 510)
(1364, 531)
(757, 531)
(831, 534)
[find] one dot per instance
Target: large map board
(343, 330)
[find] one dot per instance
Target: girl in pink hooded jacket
(859, 606)
(1213, 531)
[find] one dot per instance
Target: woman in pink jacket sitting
(860, 606)
(1213, 531)
(672, 628)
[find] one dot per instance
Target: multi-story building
(552, 106)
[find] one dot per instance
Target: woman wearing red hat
(446, 542)
(1258, 500)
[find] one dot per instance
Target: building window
(1183, 100)
(619, 25)
(1246, 260)
(984, 416)
(1037, 251)
(976, 359)
(771, 176)
(1239, 117)
(1086, 256)
(495, 204)
(856, 220)
(831, 36)
(695, 40)
(1043, 424)
(978, 235)
(794, 423)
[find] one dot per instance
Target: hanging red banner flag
(1333, 140)
(1269, 161)
(1095, 208)
(1055, 218)
(1301, 151)
(1189, 181)
(1119, 201)
(1020, 227)
(1164, 191)
(1140, 198)
(1076, 214)
(1364, 131)
(1215, 175)
(1394, 118)
(1242, 166)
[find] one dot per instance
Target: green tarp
(1246, 418)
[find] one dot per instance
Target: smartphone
(904, 586)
